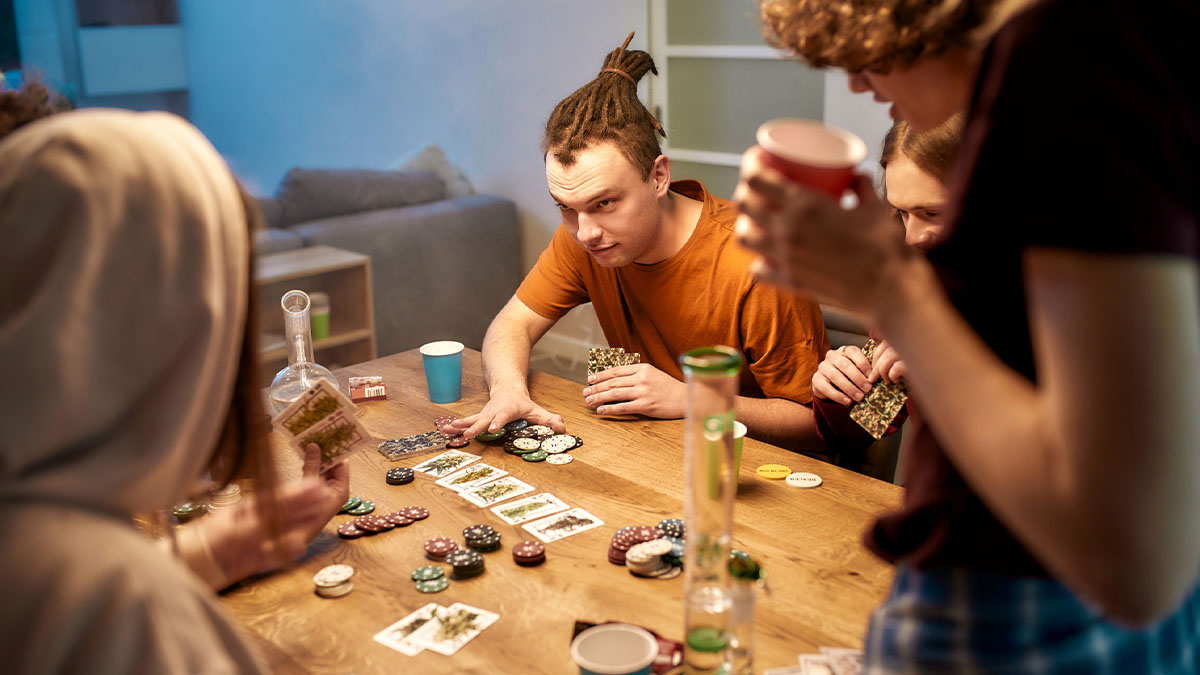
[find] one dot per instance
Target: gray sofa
(441, 267)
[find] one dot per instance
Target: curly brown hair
(31, 102)
(608, 109)
(875, 35)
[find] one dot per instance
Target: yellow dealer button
(773, 471)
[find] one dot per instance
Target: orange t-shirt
(701, 296)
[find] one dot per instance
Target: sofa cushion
(432, 158)
(271, 211)
(310, 194)
(275, 240)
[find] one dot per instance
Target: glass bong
(302, 371)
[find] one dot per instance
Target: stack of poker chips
(458, 441)
(189, 511)
(673, 530)
(357, 506)
(482, 538)
(374, 524)
(649, 559)
(430, 579)
(225, 497)
(529, 553)
(399, 476)
(627, 537)
(465, 563)
(438, 548)
(334, 581)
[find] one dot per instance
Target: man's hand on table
(639, 389)
(504, 406)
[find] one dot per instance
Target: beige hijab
(123, 252)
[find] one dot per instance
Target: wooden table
(823, 581)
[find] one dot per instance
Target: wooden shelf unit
(345, 277)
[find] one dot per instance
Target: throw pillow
(310, 194)
(431, 158)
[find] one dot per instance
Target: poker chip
(539, 430)
(465, 564)
(333, 575)
(485, 544)
(560, 459)
(224, 497)
(476, 531)
(427, 573)
(367, 506)
(558, 443)
(399, 519)
(414, 512)
(515, 425)
(526, 444)
(578, 442)
(443, 420)
(433, 585)
(459, 441)
(490, 437)
(349, 531)
(438, 547)
(399, 476)
(529, 553)
(671, 527)
(677, 546)
(803, 480)
(189, 511)
(675, 571)
(538, 456)
(351, 503)
(335, 591)
(372, 524)
(773, 471)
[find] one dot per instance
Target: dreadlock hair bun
(607, 109)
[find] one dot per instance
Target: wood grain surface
(823, 581)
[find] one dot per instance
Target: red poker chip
(440, 546)
(368, 524)
(459, 441)
(349, 531)
(529, 549)
(415, 512)
(399, 519)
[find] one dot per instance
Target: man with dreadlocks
(659, 262)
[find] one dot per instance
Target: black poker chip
(485, 544)
(672, 527)
(399, 476)
(476, 531)
(578, 441)
(515, 425)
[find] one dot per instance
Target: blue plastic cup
(443, 370)
(614, 649)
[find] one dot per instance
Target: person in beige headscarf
(124, 346)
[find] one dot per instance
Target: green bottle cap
(718, 360)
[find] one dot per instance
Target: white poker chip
(333, 575)
(803, 480)
(539, 430)
(562, 458)
(335, 591)
(526, 443)
(559, 443)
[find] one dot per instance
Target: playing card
(559, 526)
(881, 405)
(496, 491)
(401, 635)
(815, 664)
(413, 446)
(454, 627)
(472, 476)
(529, 508)
(844, 661)
(603, 358)
(446, 463)
(322, 415)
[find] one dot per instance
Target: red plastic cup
(812, 153)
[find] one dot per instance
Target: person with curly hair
(1052, 336)
(658, 260)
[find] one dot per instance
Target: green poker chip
(706, 639)
(428, 573)
(364, 507)
(488, 436)
(433, 585)
(537, 456)
(352, 503)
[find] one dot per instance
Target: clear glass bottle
(747, 577)
(712, 382)
(302, 371)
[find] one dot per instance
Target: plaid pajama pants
(953, 621)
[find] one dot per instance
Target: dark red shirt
(1083, 133)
